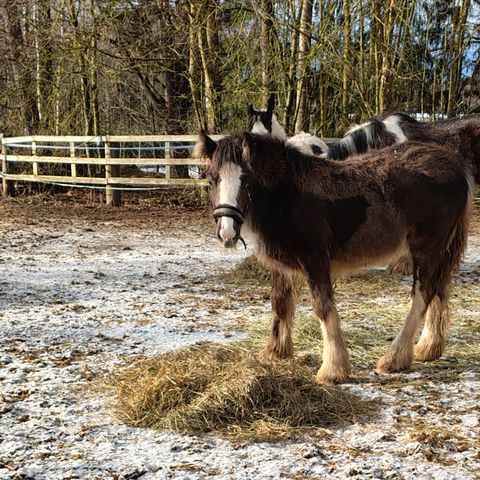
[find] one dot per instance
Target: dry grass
(248, 272)
(225, 389)
(435, 443)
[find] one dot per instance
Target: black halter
(226, 210)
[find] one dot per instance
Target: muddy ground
(85, 289)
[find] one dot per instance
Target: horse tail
(469, 144)
(456, 244)
(469, 149)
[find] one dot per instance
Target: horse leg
(282, 297)
(400, 354)
(432, 340)
(434, 259)
(335, 360)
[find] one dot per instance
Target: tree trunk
(386, 55)
(267, 49)
(21, 68)
(347, 58)
(193, 75)
(291, 81)
(459, 20)
(302, 116)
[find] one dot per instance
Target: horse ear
(271, 103)
(247, 148)
(205, 146)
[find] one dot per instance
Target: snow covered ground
(82, 290)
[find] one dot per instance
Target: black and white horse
(380, 132)
(317, 218)
(265, 122)
(395, 128)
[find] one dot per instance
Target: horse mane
(229, 149)
(274, 163)
(361, 138)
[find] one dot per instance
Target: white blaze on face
(259, 128)
(228, 189)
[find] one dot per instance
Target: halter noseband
(226, 210)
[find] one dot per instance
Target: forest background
(95, 67)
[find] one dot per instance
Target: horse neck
(304, 175)
(262, 201)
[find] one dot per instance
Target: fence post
(73, 166)
(34, 154)
(168, 154)
(7, 185)
(112, 196)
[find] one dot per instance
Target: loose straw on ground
(225, 389)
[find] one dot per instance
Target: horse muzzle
(229, 221)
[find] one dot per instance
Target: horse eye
(211, 180)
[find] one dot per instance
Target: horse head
(264, 122)
(226, 174)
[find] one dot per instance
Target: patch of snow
(80, 300)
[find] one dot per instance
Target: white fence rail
(97, 161)
(101, 161)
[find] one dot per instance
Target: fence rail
(97, 162)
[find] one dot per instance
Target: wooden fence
(96, 162)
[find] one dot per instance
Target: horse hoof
(427, 353)
(329, 377)
(394, 363)
(269, 354)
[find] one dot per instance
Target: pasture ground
(86, 290)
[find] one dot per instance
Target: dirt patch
(156, 211)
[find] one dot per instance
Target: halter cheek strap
(226, 210)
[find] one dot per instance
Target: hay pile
(247, 272)
(225, 389)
